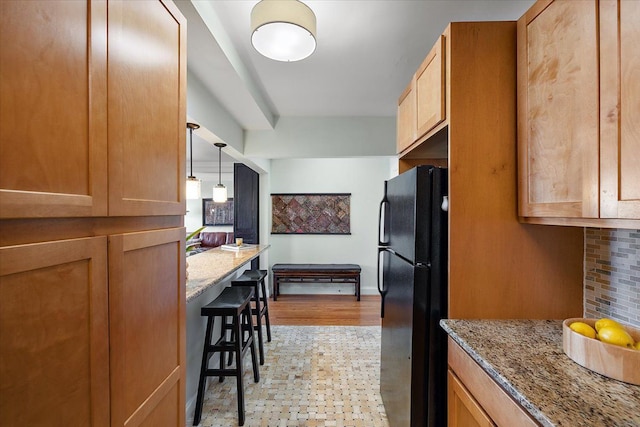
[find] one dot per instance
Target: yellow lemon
(583, 329)
(606, 322)
(637, 346)
(615, 336)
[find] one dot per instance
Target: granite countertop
(211, 267)
(525, 358)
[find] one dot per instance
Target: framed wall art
(310, 213)
(217, 213)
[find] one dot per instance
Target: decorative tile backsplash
(612, 274)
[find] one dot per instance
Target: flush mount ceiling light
(284, 30)
(220, 191)
(193, 183)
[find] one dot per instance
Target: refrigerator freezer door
(404, 337)
(409, 198)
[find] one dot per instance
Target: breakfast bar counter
(211, 267)
(209, 272)
(525, 358)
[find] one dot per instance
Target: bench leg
(358, 288)
(276, 283)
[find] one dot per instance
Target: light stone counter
(211, 267)
(526, 359)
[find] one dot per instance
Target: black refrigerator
(412, 280)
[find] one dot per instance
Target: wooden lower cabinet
(464, 411)
(92, 329)
(54, 341)
(475, 399)
(147, 328)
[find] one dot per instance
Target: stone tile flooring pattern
(312, 376)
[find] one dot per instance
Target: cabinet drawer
(464, 410)
(503, 410)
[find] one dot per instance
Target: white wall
(363, 178)
(323, 137)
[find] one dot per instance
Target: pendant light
(283, 30)
(193, 183)
(220, 191)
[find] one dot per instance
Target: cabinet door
(54, 342)
(430, 89)
(558, 110)
(620, 109)
(463, 410)
(53, 123)
(147, 113)
(406, 126)
(147, 328)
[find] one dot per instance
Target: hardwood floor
(342, 310)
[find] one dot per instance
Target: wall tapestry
(310, 213)
(217, 213)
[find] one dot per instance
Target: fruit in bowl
(614, 351)
(583, 329)
(616, 336)
(606, 330)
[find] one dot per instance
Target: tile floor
(312, 376)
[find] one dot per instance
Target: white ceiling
(367, 52)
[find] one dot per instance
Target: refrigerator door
(437, 359)
(408, 198)
(404, 337)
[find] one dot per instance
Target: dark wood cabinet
(246, 208)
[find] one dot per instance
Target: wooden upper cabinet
(430, 89)
(579, 113)
(53, 109)
(79, 138)
(421, 106)
(147, 108)
(406, 129)
(558, 110)
(620, 109)
(54, 336)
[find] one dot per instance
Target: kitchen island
(525, 358)
(209, 273)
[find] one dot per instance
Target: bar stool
(233, 302)
(255, 279)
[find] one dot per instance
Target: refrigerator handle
(380, 276)
(382, 219)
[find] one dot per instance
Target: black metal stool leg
(266, 309)
(237, 327)
(254, 360)
(233, 334)
(258, 313)
(203, 372)
(223, 335)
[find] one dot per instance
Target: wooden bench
(314, 273)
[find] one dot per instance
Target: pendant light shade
(193, 183)
(284, 30)
(193, 188)
(220, 191)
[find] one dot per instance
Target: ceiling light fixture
(284, 30)
(220, 191)
(193, 183)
